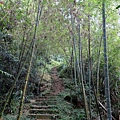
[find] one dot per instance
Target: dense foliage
(63, 33)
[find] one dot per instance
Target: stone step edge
(43, 109)
(46, 115)
(37, 106)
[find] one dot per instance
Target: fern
(6, 73)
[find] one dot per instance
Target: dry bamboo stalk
(103, 107)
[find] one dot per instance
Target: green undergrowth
(70, 91)
(10, 117)
(68, 111)
(67, 103)
(68, 106)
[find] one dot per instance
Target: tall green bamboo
(75, 74)
(79, 67)
(107, 87)
(98, 70)
(30, 64)
(81, 75)
(89, 65)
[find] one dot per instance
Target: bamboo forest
(59, 60)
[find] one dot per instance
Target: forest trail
(57, 85)
(44, 107)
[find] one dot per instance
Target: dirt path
(57, 85)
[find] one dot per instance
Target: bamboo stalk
(107, 88)
(89, 65)
(30, 64)
(98, 70)
(79, 69)
(81, 74)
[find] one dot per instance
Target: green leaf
(6, 73)
(44, 2)
(1, 5)
(71, 0)
(118, 7)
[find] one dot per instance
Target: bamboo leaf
(118, 7)
(6, 73)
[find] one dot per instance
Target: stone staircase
(44, 107)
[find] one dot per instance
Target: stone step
(44, 103)
(47, 94)
(43, 116)
(42, 107)
(45, 98)
(43, 111)
(45, 91)
(43, 119)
